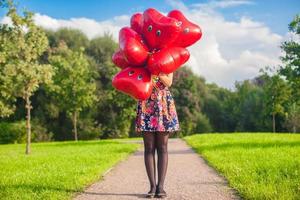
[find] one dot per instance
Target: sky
(239, 36)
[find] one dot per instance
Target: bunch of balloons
(153, 44)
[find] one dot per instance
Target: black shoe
(151, 193)
(160, 193)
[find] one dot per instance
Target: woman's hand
(166, 79)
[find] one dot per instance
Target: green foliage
(12, 132)
(293, 118)
(294, 26)
(258, 166)
(101, 49)
(115, 111)
(88, 130)
(20, 71)
(73, 38)
(277, 93)
(188, 91)
(21, 74)
(15, 132)
(250, 104)
(291, 71)
(220, 107)
(113, 114)
(39, 132)
(73, 86)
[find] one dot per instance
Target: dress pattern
(158, 113)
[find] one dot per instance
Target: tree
(220, 107)
(188, 91)
(291, 70)
(277, 94)
(73, 84)
(116, 111)
(74, 38)
(249, 106)
(46, 107)
(8, 48)
(22, 44)
(293, 118)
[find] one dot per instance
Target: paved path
(188, 177)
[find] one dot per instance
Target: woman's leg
(149, 157)
(161, 140)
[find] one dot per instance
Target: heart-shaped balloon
(136, 22)
(134, 81)
(167, 60)
(133, 47)
(153, 44)
(119, 59)
(159, 31)
(190, 32)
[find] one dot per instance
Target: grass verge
(57, 170)
(258, 166)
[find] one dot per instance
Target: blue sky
(276, 14)
(239, 36)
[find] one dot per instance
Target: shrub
(39, 132)
(15, 132)
(88, 129)
(197, 123)
(12, 132)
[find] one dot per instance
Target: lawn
(258, 166)
(57, 170)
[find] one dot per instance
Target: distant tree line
(57, 86)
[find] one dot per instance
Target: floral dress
(158, 113)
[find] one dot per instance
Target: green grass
(258, 166)
(57, 170)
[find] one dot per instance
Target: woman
(156, 119)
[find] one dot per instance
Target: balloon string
(155, 80)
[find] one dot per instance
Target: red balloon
(119, 59)
(159, 31)
(134, 81)
(161, 51)
(133, 47)
(167, 60)
(136, 22)
(190, 32)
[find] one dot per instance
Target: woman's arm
(166, 79)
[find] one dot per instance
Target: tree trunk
(28, 125)
(75, 125)
(273, 122)
(294, 120)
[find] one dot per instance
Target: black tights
(159, 141)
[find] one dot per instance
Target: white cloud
(90, 27)
(220, 4)
(231, 3)
(228, 51)
(231, 51)
(6, 20)
(177, 4)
